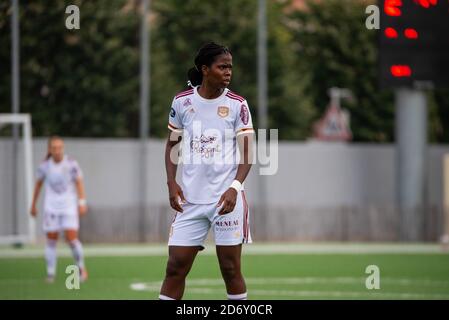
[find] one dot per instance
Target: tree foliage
(85, 83)
(75, 82)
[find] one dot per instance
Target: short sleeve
(243, 122)
(75, 170)
(41, 171)
(174, 118)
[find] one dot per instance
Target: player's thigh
(70, 225)
(180, 259)
(232, 228)
(190, 228)
(52, 235)
(70, 234)
(51, 224)
(229, 257)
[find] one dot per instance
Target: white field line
(314, 280)
(194, 286)
(253, 249)
(326, 280)
(406, 282)
(331, 294)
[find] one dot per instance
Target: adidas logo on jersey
(187, 102)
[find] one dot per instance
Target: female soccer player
(64, 200)
(212, 121)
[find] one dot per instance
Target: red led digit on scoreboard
(401, 71)
(392, 7)
(391, 33)
(411, 33)
(426, 3)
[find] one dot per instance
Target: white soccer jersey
(60, 191)
(209, 148)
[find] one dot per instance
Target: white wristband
(236, 185)
(82, 202)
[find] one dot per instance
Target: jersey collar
(200, 98)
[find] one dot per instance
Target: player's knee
(229, 270)
(52, 236)
(71, 236)
(51, 243)
(72, 243)
(177, 268)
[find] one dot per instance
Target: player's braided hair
(205, 56)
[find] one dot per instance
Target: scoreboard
(414, 43)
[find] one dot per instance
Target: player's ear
(204, 70)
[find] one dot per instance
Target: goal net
(16, 184)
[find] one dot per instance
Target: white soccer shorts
(190, 228)
(53, 222)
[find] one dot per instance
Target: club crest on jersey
(187, 102)
(223, 111)
(244, 114)
(172, 113)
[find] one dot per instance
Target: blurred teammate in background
(65, 199)
(212, 121)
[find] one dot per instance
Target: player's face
(57, 149)
(220, 72)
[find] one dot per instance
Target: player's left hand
(228, 199)
(82, 210)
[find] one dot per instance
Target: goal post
(27, 234)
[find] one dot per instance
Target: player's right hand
(82, 210)
(33, 211)
(175, 194)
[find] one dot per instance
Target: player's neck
(57, 160)
(207, 91)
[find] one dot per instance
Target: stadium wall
(321, 192)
